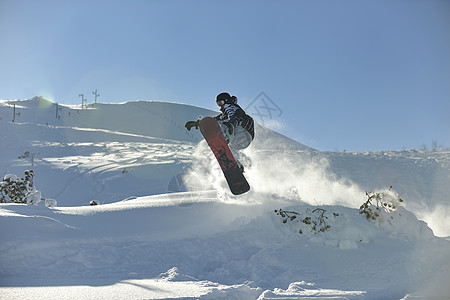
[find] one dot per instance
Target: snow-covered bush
(19, 190)
(315, 219)
(380, 202)
(385, 210)
(49, 202)
(31, 156)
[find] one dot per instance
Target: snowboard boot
(241, 166)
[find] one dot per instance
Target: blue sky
(336, 75)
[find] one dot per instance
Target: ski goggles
(220, 102)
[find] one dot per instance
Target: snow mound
(304, 290)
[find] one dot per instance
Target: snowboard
(213, 135)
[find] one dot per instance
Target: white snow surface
(167, 227)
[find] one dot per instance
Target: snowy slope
(104, 147)
(148, 242)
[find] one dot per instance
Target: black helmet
(225, 98)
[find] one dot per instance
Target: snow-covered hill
(169, 228)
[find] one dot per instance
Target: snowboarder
(238, 128)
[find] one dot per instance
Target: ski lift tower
(15, 113)
(83, 100)
(96, 95)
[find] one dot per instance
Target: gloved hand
(230, 127)
(191, 124)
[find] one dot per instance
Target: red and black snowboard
(213, 135)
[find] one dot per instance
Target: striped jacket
(235, 115)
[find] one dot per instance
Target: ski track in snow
(146, 243)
